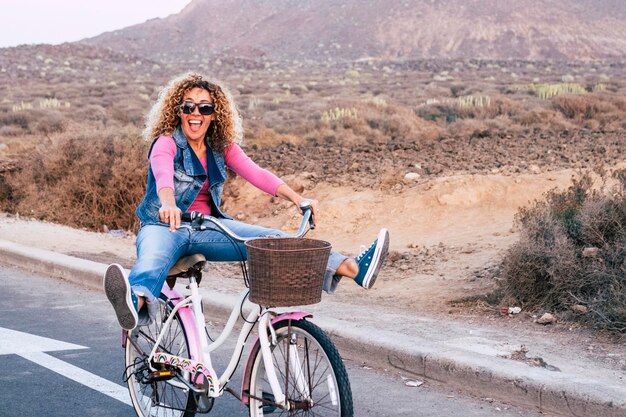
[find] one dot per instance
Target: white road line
(32, 348)
(16, 342)
(79, 375)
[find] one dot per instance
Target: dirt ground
(445, 233)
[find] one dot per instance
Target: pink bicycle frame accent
(186, 316)
(188, 322)
(245, 385)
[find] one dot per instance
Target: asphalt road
(82, 376)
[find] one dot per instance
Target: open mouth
(195, 125)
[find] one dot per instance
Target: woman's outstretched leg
(157, 251)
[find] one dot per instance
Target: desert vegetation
(71, 153)
(571, 255)
(429, 117)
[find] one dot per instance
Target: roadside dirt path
(446, 233)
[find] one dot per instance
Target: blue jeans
(158, 249)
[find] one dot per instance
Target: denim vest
(189, 176)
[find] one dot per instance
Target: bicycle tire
(323, 370)
(161, 397)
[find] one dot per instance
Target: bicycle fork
(294, 364)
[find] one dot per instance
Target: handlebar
(197, 221)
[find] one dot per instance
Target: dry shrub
(356, 122)
(469, 128)
(449, 112)
(50, 122)
(544, 119)
(21, 120)
(581, 107)
(81, 179)
(380, 124)
(268, 138)
(11, 130)
(440, 113)
(548, 268)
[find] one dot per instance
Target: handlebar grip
(190, 217)
(307, 210)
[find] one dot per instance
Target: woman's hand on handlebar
(286, 192)
(314, 206)
(170, 214)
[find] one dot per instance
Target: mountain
(327, 30)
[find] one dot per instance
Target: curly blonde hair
(164, 116)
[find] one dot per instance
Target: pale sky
(58, 21)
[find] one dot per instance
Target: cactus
(253, 103)
(50, 103)
(547, 91)
(339, 113)
(22, 106)
(463, 101)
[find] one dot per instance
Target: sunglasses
(205, 109)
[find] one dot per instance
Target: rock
(590, 252)
(508, 311)
(411, 177)
(409, 382)
(515, 310)
(579, 309)
(546, 319)
(534, 169)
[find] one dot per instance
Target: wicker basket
(286, 272)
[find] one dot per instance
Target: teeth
(195, 122)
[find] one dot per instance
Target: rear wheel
(157, 396)
(309, 370)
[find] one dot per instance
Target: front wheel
(309, 370)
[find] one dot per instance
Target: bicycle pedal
(162, 375)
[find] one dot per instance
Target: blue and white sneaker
(124, 301)
(371, 259)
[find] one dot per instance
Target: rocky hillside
(328, 30)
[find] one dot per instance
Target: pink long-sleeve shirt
(162, 164)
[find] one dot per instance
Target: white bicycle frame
(204, 348)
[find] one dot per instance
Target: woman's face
(195, 124)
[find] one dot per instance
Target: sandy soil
(445, 232)
(447, 236)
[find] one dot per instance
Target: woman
(197, 127)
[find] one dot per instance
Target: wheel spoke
(158, 398)
(319, 376)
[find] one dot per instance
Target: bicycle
(293, 367)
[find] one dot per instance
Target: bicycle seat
(185, 263)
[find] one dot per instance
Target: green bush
(572, 251)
